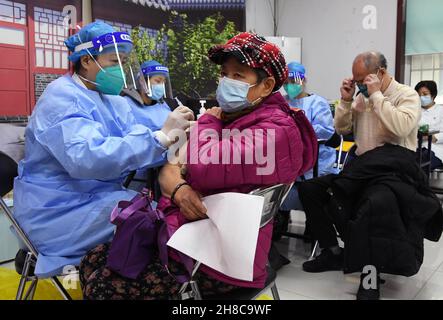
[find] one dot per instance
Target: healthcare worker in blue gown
(318, 112)
(147, 102)
(81, 142)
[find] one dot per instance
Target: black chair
(435, 177)
(8, 171)
(335, 142)
(424, 156)
(149, 181)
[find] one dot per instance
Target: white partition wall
(333, 33)
(290, 46)
(259, 17)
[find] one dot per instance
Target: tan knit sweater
(389, 117)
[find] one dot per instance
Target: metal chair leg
(61, 289)
(21, 288)
(195, 290)
(24, 277)
(31, 290)
(34, 289)
(314, 251)
(274, 291)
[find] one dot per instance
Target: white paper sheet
(227, 240)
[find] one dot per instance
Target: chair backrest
(274, 197)
(342, 160)
(340, 152)
(12, 140)
(334, 141)
(8, 171)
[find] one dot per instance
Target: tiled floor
(295, 284)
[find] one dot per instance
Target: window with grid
(118, 26)
(123, 27)
(50, 51)
(428, 67)
(13, 12)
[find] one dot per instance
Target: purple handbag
(141, 234)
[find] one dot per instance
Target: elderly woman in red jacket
(225, 153)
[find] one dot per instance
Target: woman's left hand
(190, 204)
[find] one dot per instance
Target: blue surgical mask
(232, 95)
(426, 101)
(157, 92)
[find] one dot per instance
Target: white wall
(259, 17)
(333, 34)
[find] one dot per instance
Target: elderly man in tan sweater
(383, 112)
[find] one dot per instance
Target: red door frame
(27, 55)
(30, 41)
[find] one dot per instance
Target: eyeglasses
(354, 82)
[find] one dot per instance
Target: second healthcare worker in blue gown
(147, 100)
(318, 112)
(81, 142)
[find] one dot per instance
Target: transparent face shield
(119, 65)
(157, 83)
(294, 84)
(296, 78)
(131, 69)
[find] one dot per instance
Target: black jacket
(385, 208)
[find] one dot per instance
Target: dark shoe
(326, 261)
(369, 294)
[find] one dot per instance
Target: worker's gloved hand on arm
(179, 119)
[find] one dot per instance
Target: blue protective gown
(153, 117)
(80, 145)
(318, 112)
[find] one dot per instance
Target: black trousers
(315, 197)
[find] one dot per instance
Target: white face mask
(232, 95)
(426, 101)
